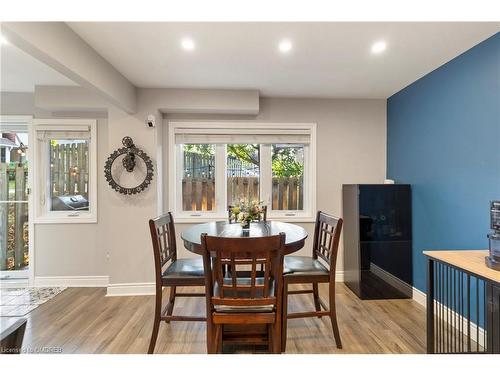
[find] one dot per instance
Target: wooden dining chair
(319, 268)
(171, 272)
(243, 300)
(262, 217)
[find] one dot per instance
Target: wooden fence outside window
(198, 194)
(69, 169)
(13, 217)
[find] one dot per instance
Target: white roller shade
(18, 124)
(227, 136)
(74, 132)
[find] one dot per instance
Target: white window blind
(75, 132)
(14, 123)
(249, 136)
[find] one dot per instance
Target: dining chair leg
(276, 338)
(270, 338)
(171, 301)
(333, 316)
(317, 305)
(284, 319)
(210, 338)
(156, 323)
(218, 338)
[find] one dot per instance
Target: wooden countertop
(468, 260)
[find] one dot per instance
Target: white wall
(351, 149)
(127, 217)
(67, 250)
(351, 146)
(70, 250)
(20, 103)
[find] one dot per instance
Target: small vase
(246, 225)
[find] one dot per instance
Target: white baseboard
(113, 290)
(141, 289)
(121, 289)
(421, 298)
(131, 289)
(71, 281)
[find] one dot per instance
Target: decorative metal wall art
(129, 161)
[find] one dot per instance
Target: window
(198, 177)
(243, 172)
(65, 173)
(288, 177)
(213, 165)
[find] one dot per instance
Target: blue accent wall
(443, 138)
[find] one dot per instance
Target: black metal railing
(456, 310)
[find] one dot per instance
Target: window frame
(308, 214)
(43, 215)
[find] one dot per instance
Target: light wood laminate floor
(84, 320)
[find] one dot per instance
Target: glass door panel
(14, 235)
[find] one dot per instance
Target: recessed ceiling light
(188, 44)
(379, 47)
(3, 40)
(285, 46)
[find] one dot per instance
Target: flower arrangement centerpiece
(245, 212)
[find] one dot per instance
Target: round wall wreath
(131, 152)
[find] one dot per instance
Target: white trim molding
(71, 281)
(142, 289)
(419, 297)
(454, 317)
(113, 290)
(339, 276)
(131, 289)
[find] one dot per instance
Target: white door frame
(26, 123)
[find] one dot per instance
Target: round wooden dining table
(294, 241)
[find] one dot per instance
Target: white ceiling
(19, 72)
(327, 60)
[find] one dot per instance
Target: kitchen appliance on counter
(493, 260)
(378, 240)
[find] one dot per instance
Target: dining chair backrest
(260, 288)
(262, 216)
(163, 238)
(326, 238)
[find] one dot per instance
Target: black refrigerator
(378, 240)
